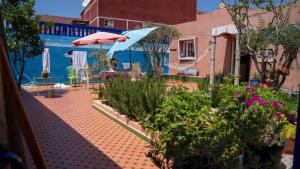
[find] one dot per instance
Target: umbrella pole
(130, 61)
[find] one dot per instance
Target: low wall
(122, 120)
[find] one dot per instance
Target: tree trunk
(149, 65)
(212, 62)
(22, 68)
(237, 61)
(19, 82)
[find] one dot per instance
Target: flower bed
(246, 127)
(138, 100)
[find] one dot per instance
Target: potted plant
(95, 94)
(255, 80)
(48, 25)
(101, 92)
(263, 156)
(258, 119)
(45, 74)
(98, 93)
(219, 77)
(289, 133)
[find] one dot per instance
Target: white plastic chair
(126, 66)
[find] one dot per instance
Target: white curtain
(80, 63)
(46, 60)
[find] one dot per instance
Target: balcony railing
(61, 29)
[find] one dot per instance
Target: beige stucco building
(194, 48)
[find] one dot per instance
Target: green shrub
(249, 122)
(189, 136)
(175, 126)
(183, 78)
(136, 99)
(203, 84)
(153, 95)
(222, 90)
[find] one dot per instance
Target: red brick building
(61, 19)
(129, 14)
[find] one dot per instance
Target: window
(187, 49)
(148, 25)
(108, 23)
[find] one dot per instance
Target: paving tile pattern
(73, 135)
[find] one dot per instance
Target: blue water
(59, 45)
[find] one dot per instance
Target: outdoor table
(49, 81)
(104, 75)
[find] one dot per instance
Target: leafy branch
(273, 43)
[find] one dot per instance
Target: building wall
(201, 30)
(94, 23)
(154, 11)
(59, 45)
(57, 19)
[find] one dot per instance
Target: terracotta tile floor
(73, 135)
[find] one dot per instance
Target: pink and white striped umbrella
(99, 38)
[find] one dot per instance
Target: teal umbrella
(134, 36)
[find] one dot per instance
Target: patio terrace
(72, 134)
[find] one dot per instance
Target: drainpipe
(232, 56)
(237, 61)
(212, 61)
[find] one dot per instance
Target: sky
(73, 8)
(208, 5)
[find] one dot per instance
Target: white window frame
(109, 26)
(149, 24)
(179, 49)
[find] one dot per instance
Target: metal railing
(74, 30)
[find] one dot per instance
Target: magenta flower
(276, 105)
(250, 88)
(238, 95)
(277, 115)
(262, 102)
(250, 102)
(292, 118)
(255, 97)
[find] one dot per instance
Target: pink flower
(277, 115)
(238, 95)
(255, 97)
(250, 88)
(250, 102)
(262, 102)
(276, 105)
